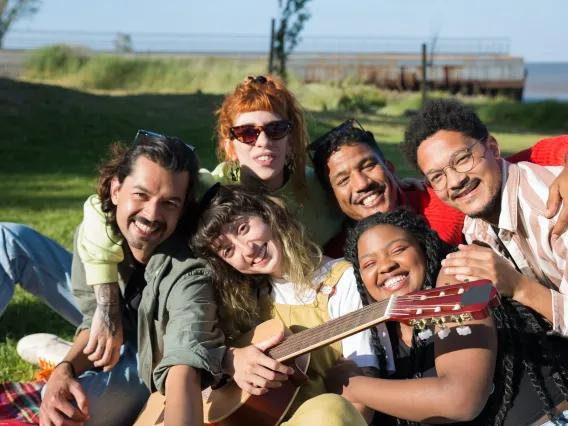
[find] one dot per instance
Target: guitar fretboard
(305, 341)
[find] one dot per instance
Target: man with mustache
(514, 242)
(163, 300)
(349, 162)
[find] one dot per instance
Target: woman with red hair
(262, 142)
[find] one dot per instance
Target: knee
(10, 232)
(329, 410)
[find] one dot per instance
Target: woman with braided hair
(508, 371)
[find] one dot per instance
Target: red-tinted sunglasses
(249, 133)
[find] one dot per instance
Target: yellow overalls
(313, 406)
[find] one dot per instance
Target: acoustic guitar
(228, 405)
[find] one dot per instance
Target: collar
(510, 181)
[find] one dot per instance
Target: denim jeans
(41, 266)
(561, 420)
(116, 397)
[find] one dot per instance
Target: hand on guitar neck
(252, 370)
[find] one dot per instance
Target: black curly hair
(436, 115)
(434, 249)
(325, 146)
(523, 344)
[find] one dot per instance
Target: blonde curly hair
(235, 290)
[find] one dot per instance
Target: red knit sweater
(447, 221)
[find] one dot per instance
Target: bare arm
(465, 367)
(536, 296)
(106, 337)
(183, 397)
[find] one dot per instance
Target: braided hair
(523, 344)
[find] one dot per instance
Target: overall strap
(327, 286)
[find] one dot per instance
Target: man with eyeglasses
(512, 235)
(351, 165)
(163, 295)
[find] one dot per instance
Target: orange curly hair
(266, 94)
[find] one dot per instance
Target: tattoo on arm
(108, 304)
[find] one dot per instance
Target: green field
(53, 138)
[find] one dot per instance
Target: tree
(12, 10)
(293, 15)
(123, 43)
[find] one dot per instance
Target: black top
(526, 407)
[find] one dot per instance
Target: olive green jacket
(177, 316)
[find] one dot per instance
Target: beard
(491, 210)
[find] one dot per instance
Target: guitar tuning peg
(443, 333)
(425, 334)
(463, 330)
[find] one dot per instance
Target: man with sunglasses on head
(162, 295)
(505, 204)
(351, 165)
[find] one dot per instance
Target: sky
(536, 30)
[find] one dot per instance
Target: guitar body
(229, 405)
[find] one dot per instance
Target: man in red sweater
(349, 162)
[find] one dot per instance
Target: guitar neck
(311, 339)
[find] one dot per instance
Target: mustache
(465, 185)
(159, 225)
(374, 186)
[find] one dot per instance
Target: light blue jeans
(561, 420)
(116, 397)
(41, 266)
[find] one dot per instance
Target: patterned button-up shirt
(524, 193)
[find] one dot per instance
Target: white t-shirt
(346, 299)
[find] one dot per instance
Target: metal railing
(220, 44)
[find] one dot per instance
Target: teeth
(369, 200)
(394, 280)
(145, 228)
(264, 158)
(261, 255)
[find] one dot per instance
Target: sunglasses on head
(141, 134)
(249, 133)
(258, 79)
(334, 133)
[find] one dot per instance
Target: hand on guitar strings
(252, 370)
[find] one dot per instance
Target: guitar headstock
(456, 303)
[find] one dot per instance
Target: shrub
(55, 61)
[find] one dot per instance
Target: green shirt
(319, 213)
(176, 322)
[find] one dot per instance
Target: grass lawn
(53, 139)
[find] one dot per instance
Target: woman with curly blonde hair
(264, 266)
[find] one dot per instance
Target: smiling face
(475, 193)
(361, 183)
(390, 262)
(148, 204)
(264, 159)
(247, 244)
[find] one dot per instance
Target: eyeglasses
(145, 133)
(249, 133)
(461, 162)
(336, 133)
